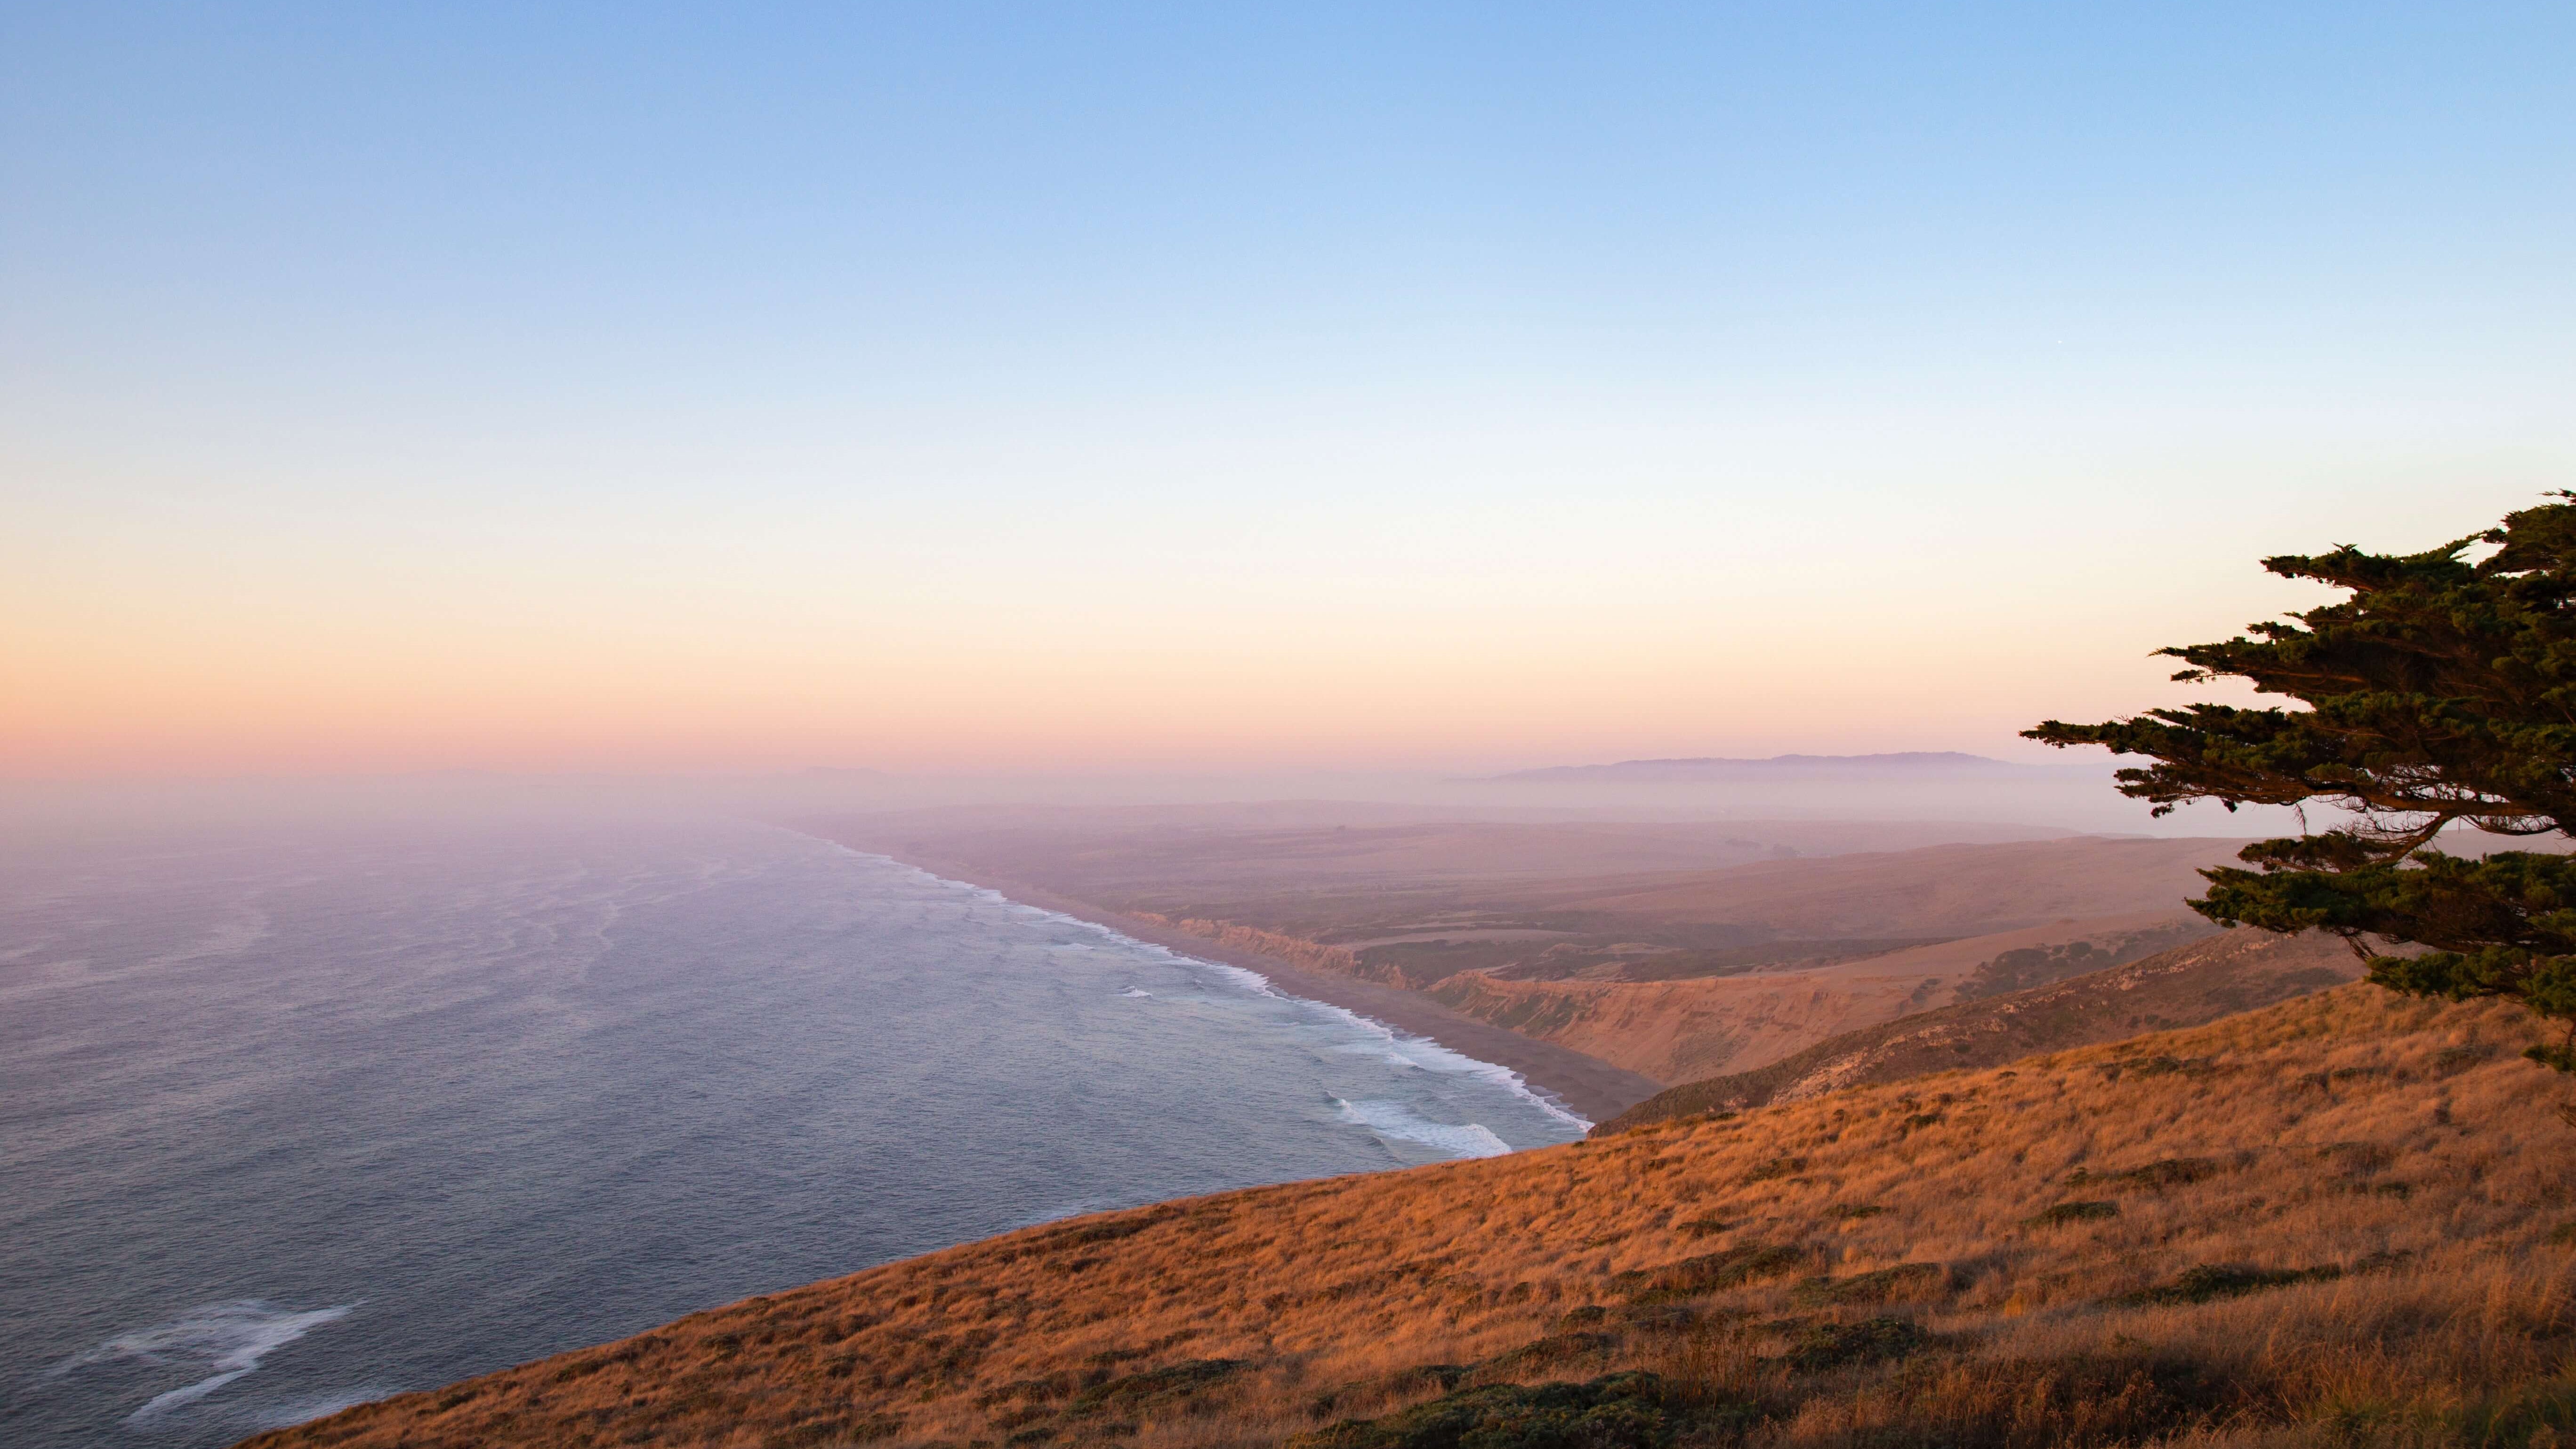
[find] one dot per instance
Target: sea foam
(1394, 1119)
(230, 1338)
(1403, 1047)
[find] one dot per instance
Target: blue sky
(597, 369)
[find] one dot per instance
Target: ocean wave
(230, 1338)
(1394, 1119)
(1404, 1046)
(1429, 1055)
(163, 1405)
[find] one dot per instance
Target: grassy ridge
(2185, 986)
(2342, 1219)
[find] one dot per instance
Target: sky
(1034, 387)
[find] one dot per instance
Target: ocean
(292, 1119)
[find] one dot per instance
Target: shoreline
(1587, 1086)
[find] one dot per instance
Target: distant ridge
(1910, 762)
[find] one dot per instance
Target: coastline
(1586, 1085)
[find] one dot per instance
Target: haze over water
(293, 1120)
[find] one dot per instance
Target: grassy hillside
(2186, 986)
(2344, 1219)
(1688, 1029)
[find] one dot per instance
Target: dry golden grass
(2219, 976)
(2394, 1165)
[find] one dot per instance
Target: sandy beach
(1589, 1086)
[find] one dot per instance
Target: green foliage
(2212, 1281)
(1622, 1411)
(1822, 1346)
(1904, 1280)
(1708, 1273)
(2030, 966)
(2441, 691)
(1155, 1388)
(1547, 1353)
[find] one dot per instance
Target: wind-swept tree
(2441, 691)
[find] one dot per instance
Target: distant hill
(1908, 763)
(1947, 890)
(2186, 986)
(2246, 1235)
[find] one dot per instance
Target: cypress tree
(2440, 691)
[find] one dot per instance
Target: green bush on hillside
(1621, 1411)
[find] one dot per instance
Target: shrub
(2047, 1403)
(1664, 1318)
(1709, 1273)
(2072, 1212)
(2454, 1059)
(1621, 1411)
(1905, 1280)
(1155, 1388)
(2212, 1281)
(1403, 1383)
(1821, 1346)
(2171, 1172)
(2161, 1066)
(1544, 1354)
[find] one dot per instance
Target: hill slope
(2340, 1217)
(2204, 981)
(1687, 1029)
